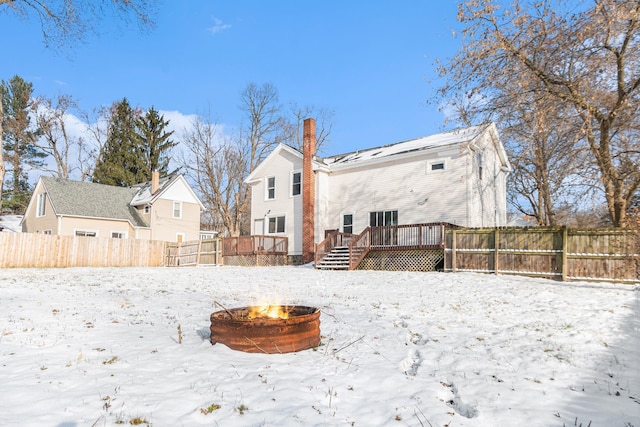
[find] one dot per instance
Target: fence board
(46, 251)
(567, 254)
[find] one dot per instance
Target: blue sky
(372, 62)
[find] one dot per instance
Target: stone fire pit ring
(236, 329)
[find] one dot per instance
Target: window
(380, 218)
(347, 223)
(276, 224)
(42, 203)
(177, 209)
(271, 188)
(147, 209)
(479, 165)
(118, 235)
(47, 232)
(296, 183)
(436, 166)
(86, 233)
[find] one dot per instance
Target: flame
(269, 310)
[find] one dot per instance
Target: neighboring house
(457, 177)
(164, 209)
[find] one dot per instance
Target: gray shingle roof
(87, 199)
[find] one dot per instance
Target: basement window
(86, 233)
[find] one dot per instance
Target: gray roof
(87, 199)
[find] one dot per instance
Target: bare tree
(217, 167)
(324, 125)
(265, 126)
(55, 140)
(585, 58)
(65, 22)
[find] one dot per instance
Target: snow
(427, 142)
(11, 223)
(100, 347)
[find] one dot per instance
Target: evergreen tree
(121, 161)
(19, 136)
(154, 141)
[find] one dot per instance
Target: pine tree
(154, 142)
(121, 161)
(19, 135)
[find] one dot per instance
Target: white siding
(284, 204)
(409, 186)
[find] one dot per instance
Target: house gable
(430, 179)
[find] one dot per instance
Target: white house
(457, 177)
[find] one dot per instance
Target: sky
(371, 63)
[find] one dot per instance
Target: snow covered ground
(100, 347)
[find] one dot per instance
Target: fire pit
(267, 329)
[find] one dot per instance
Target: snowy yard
(100, 347)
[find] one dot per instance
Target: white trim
(431, 163)
(41, 205)
(270, 217)
(291, 182)
(266, 187)
(82, 230)
(353, 220)
(173, 209)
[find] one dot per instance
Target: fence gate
(195, 252)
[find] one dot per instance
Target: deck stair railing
(393, 237)
(334, 240)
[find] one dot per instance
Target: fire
(268, 310)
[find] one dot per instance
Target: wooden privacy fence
(42, 250)
(195, 252)
(560, 253)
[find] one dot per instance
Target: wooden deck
(428, 236)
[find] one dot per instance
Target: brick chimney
(308, 191)
(155, 182)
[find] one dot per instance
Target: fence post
(565, 238)
(453, 250)
(496, 247)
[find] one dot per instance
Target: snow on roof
(424, 143)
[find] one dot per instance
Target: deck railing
(406, 237)
(254, 245)
(333, 240)
(393, 237)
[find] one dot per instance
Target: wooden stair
(337, 259)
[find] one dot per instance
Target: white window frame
(121, 234)
(41, 205)
(267, 188)
(384, 217)
(78, 232)
(275, 219)
(432, 163)
(177, 207)
(47, 232)
(353, 220)
(147, 209)
(293, 183)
